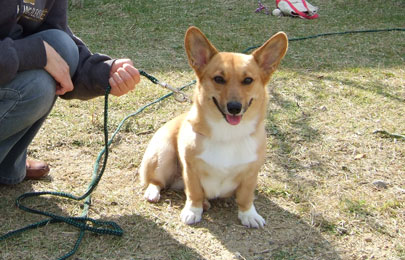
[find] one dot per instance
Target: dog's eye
(219, 80)
(247, 81)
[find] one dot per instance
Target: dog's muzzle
(234, 111)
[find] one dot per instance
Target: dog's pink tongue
(233, 120)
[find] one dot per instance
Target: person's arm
(28, 53)
(92, 74)
(57, 67)
(95, 72)
(17, 55)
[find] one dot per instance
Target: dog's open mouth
(231, 119)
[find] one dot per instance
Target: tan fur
(191, 144)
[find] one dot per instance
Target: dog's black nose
(234, 107)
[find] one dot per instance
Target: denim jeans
(25, 102)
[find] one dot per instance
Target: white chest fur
(229, 145)
(227, 152)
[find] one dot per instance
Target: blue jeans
(25, 102)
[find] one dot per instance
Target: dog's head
(232, 85)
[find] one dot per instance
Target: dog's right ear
(269, 55)
(198, 48)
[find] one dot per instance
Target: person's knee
(26, 100)
(39, 94)
(64, 45)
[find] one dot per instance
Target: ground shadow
(142, 239)
(285, 236)
(284, 141)
(378, 88)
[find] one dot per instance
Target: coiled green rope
(84, 223)
(99, 227)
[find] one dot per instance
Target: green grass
(315, 190)
(358, 208)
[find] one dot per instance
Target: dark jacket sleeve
(92, 74)
(93, 71)
(17, 55)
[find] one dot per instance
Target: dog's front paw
(191, 215)
(251, 218)
(152, 193)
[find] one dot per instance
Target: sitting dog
(217, 148)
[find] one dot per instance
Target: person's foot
(36, 170)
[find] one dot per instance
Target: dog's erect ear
(199, 49)
(269, 55)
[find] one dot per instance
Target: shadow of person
(8, 209)
(143, 238)
(155, 231)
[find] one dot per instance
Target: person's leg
(33, 95)
(25, 103)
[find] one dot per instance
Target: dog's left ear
(199, 49)
(269, 55)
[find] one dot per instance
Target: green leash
(334, 33)
(84, 223)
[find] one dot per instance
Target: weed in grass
(391, 207)
(358, 208)
(275, 192)
(400, 249)
(283, 255)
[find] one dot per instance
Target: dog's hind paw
(251, 218)
(152, 193)
(191, 215)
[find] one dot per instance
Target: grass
(316, 188)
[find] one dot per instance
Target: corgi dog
(217, 148)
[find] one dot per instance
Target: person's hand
(123, 77)
(57, 67)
